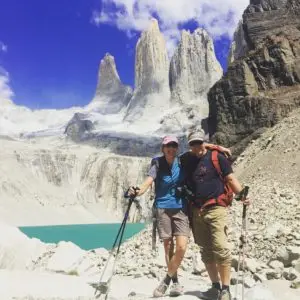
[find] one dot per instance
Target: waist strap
(220, 201)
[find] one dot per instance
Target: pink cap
(170, 139)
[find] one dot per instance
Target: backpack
(227, 197)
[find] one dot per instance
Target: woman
(172, 219)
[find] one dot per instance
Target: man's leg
(218, 219)
(224, 271)
(202, 237)
(212, 271)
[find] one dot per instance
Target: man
(209, 212)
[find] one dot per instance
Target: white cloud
(6, 92)
(3, 47)
(219, 17)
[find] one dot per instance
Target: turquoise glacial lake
(87, 236)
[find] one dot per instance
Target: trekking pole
(154, 231)
(242, 245)
(103, 287)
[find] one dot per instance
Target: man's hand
(246, 201)
(243, 196)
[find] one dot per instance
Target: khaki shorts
(172, 222)
(210, 233)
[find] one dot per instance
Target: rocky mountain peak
(194, 68)
(151, 61)
(111, 95)
(152, 91)
(108, 75)
(153, 27)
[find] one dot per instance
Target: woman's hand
(225, 150)
(222, 149)
(133, 191)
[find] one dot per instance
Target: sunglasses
(172, 145)
(195, 143)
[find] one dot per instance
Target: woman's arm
(143, 188)
(225, 150)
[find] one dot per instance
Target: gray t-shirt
(153, 172)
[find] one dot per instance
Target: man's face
(197, 146)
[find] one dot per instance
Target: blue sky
(52, 50)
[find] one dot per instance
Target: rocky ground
(270, 166)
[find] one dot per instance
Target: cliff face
(263, 85)
(61, 184)
(239, 46)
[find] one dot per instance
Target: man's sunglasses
(172, 145)
(195, 143)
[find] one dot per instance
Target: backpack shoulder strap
(155, 161)
(216, 163)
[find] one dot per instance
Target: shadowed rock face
(263, 86)
(281, 18)
(265, 5)
(239, 46)
(78, 126)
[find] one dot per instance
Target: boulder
(17, 251)
(272, 290)
(66, 258)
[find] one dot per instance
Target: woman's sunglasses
(172, 145)
(195, 143)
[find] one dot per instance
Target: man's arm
(236, 187)
(233, 183)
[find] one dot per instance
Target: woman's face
(170, 150)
